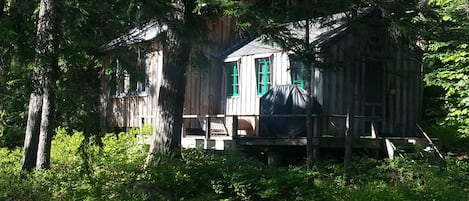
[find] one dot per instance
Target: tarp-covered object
(281, 100)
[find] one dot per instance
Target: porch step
(217, 126)
(403, 148)
(220, 143)
(396, 148)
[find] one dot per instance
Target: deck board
(324, 142)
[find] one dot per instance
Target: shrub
(83, 169)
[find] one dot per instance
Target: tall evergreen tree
(166, 137)
(41, 106)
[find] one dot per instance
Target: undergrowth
(83, 169)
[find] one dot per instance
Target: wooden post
(183, 129)
(374, 135)
(234, 130)
(390, 148)
(348, 140)
(274, 158)
(207, 128)
(374, 132)
(430, 142)
(316, 137)
(207, 132)
(309, 143)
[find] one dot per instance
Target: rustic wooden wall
(402, 87)
(134, 111)
(203, 82)
(203, 85)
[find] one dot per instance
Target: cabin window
(263, 75)
(232, 70)
(297, 72)
(130, 78)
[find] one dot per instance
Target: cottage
(359, 60)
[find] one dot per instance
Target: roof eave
(146, 32)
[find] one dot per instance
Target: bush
(83, 169)
(114, 167)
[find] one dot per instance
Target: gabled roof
(146, 32)
(255, 46)
(321, 30)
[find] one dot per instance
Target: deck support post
(234, 129)
(348, 145)
(374, 132)
(207, 132)
(316, 138)
(274, 158)
(183, 130)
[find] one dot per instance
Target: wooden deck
(327, 142)
(323, 142)
(223, 142)
(210, 140)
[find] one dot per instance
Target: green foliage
(399, 179)
(446, 54)
(82, 26)
(17, 30)
(226, 176)
(114, 168)
(115, 173)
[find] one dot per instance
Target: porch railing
(233, 129)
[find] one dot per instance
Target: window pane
(263, 75)
(297, 73)
(232, 77)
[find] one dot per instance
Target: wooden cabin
(386, 76)
(133, 94)
(226, 80)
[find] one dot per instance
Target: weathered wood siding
(134, 111)
(204, 81)
(202, 84)
(204, 75)
(400, 91)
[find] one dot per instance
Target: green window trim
(233, 79)
(298, 74)
(263, 75)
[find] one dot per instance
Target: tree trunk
(349, 122)
(166, 137)
(310, 151)
(311, 146)
(47, 61)
(41, 106)
(46, 130)
(32, 132)
(104, 99)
